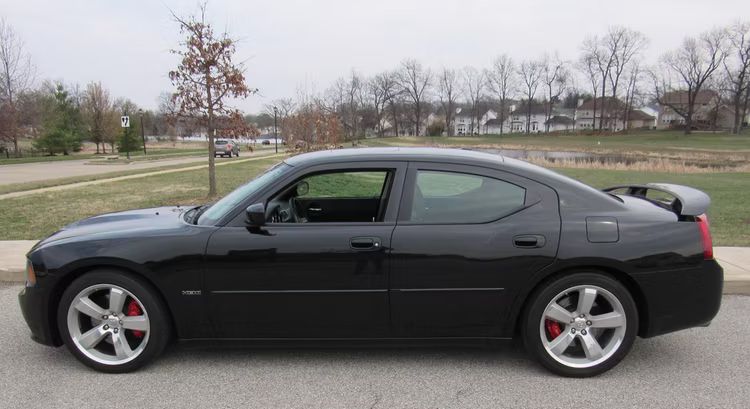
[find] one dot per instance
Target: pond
(602, 158)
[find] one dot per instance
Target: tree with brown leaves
(206, 78)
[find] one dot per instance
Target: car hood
(116, 223)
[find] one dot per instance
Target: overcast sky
(285, 43)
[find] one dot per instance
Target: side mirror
(256, 214)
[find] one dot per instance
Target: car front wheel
(112, 322)
(580, 325)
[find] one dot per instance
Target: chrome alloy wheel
(583, 326)
(108, 324)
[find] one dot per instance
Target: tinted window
(449, 197)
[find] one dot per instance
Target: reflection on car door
(454, 267)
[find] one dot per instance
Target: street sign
(125, 121)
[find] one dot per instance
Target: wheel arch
(524, 298)
(81, 269)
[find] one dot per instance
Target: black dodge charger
(396, 245)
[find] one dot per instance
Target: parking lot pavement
(701, 367)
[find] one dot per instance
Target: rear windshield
(221, 142)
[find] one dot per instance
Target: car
(223, 147)
(395, 245)
(265, 142)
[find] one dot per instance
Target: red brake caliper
(553, 328)
(132, 310)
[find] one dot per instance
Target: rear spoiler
(687, 201)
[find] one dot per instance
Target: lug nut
(572, 321)
(581, 315)
(573, 330)
(587, 322)
(583, 332)
(106, 326)
(116, 330)
(121, 322)
(104, 317)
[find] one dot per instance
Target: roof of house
(560, 119)
(536, 109)
(606, 102)
(638, 115)
(494, 121)
(681, 97)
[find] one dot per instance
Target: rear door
(466, 238)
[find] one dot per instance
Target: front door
(319, 267)
(465, 240)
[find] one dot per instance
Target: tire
(238, 154)
(123, 342)
(566, 348)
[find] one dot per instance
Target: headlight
(30, 274)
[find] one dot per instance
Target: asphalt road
(702, 367)
(41, 171)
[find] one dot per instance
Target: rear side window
(451, 197)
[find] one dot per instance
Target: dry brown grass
(647, 165)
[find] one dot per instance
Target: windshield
(219, 209)
(221, 142)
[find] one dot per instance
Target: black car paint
(307, 281)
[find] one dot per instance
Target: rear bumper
(34, 308)
(680, 299)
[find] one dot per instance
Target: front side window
(219, 209)
(343, 196)
(451, 197)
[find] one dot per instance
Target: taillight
(708, 245)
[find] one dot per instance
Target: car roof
(395, 153)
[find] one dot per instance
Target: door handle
(364, 243)
(529, 241)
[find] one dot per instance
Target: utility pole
(275, 132)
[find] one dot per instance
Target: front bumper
(680, 299)
(36, 312)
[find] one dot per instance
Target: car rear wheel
(580, 325)
(112, 322)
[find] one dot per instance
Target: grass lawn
(35, 216)
(156, 153)
(643, 141)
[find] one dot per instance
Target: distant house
(705, 109)
(609, 114)
(536, 121)
(465, 123)
(560, 123)
(639, 119)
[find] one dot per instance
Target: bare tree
(555, 78)
(611, 55)
(474, 83)
(687, 69)
(381, 89)
(414, 81)
(624, 45)
(96, 106)
(16, 76)
(448, 90)
(589, 66)
(737, 71)
(531, 72)
(633, 77)
(206, 78)
(501, 79)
